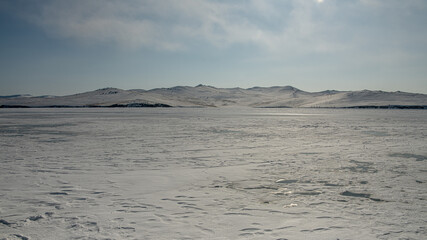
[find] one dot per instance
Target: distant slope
(208, 96)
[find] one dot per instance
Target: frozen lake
(224, 173)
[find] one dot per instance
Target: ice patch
(286, 181)
(409, 155)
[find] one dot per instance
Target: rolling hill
(208, 96)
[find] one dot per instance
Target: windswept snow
(212, 173)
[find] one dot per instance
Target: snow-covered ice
(213, 173)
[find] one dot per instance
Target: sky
(60, 47)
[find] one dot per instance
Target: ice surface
(230, 173)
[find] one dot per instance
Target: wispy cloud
(169, 24)
(172, 25)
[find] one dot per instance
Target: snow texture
(213, 173)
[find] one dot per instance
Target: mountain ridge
(209, 96)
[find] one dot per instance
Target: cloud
(127, 25)
(174, 25)
(168, 24)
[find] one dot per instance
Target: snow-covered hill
(208, 96)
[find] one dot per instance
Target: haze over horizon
(65, 47)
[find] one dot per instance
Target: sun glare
(319, 1)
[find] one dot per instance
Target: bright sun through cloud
(319, 1)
